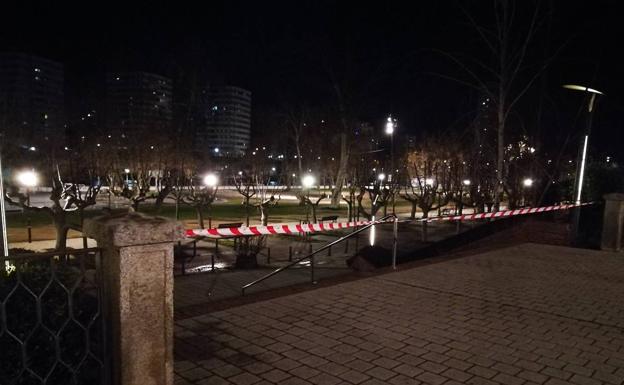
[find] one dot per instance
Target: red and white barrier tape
(274, 229)
(504, 213)
(319, 227)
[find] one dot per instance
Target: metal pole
(395, 230)
(289, 253)
(5, 241)
(393, 181)
(580, 169)
(312, 270)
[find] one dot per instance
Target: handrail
(327, 246)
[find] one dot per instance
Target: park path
(527, 314)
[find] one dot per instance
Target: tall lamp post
(28, 179)
(307, 182)
(5, 242)
(211, 181)
(390, 126)
(582, 154)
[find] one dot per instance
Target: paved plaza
(528, 314)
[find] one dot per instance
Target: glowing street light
(381, 177)
(211, 180)
(527, 182)
(466, 182)
(389, 126)
(27, 178)
(308, 181)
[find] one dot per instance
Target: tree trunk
(135, 205)
(313, 207)
(342, 172)
(200, 216)
(61, 229)
(413, 212)
(264, 215)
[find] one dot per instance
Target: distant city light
(27, 178)
(272, 168)
(216, 150)
(211, 180)
(528, 182)
(126, 170)
(381, 176)
(466, 182)
(33, 148)
(240, 173)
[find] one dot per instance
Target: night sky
(386, 53)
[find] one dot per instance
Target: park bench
(332, 218)
(183, 254)
(447, 211)
(226, 226)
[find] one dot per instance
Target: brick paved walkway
(530, 314)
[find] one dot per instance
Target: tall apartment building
(32, 105)
(138, 102)
(225, 127)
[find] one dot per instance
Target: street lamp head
(389, 126)
(381, 176)
(211, 180)
(27, 178)
(126, 170)
(466, 182)
(216, 150)
(576, 87)
(307, 181)
(528, 182)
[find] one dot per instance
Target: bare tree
(199, 197)
(66, 197)
(508, 43)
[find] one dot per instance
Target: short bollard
(346, 246)
(289, 253)
(310, 248)
(212, 263)
(329, 251)
(268, 255)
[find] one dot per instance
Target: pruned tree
(199, 197)
(312, 205)
(246, 187)
(66, 197)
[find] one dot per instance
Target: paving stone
(510, 316)
(244, 379)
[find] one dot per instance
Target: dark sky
(384, 51)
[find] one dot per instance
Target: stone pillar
(613, 222)
(137, 271)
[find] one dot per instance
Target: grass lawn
(226, 211)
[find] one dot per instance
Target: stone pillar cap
(130, 229)
(614, 197)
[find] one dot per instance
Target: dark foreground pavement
(528, 314)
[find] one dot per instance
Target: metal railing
(381, 221)
(52, 330)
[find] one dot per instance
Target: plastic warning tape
(275, 229)
(230, 232)
(504, 213)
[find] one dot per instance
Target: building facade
(32, 105)
(138, 103)
(225, 130)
